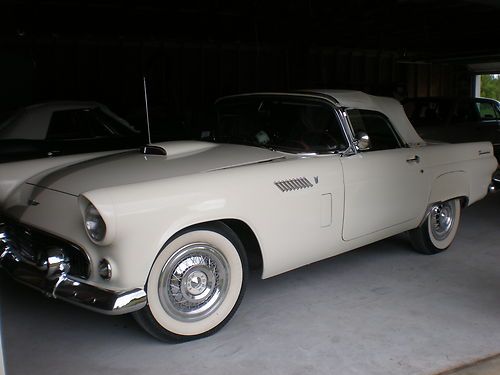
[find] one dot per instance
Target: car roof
(60, 105)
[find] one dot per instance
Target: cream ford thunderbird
(284, 179)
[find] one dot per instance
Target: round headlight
(94, 224)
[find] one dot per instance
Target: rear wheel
(439, 229)
(195, 284)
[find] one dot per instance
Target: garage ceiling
(419, 30)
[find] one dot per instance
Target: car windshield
(291, 124)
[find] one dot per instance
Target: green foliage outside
(490, 86)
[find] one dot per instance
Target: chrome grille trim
(30, 243)
(293, 184)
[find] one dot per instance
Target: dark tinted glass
(84, 124)
(65, 125)
(433, 111)
(486, 110)
(377, 126)
(288, 123)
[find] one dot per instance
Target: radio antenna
(147, 109)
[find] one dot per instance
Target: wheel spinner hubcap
(442, 219)
(194, 282)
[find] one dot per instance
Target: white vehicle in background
(284, 180)
(64, 128)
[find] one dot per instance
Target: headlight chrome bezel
(95, 225)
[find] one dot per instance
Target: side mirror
(362, 141)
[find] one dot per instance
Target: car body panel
(396, 194)
(301, 207)
(108, 171)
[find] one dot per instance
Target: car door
(384, 185)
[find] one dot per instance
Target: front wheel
(195, 284)
(439, 229)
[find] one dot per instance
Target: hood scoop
(154, 150)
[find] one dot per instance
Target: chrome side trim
(293, 184)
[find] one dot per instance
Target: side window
(65, 125)
(104, 125)
(486, 110)
(465, 111)
(85, 123)
(377, 126)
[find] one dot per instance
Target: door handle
(415, 159)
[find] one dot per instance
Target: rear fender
(449, 185)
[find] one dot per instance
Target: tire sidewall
(445, 242)
(231, 249)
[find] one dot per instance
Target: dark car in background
(64, 128)
(455, 119)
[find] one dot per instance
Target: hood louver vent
(293, 184)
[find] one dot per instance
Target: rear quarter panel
(459, 170)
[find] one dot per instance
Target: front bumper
(48, 273)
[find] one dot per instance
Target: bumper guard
(48, 275)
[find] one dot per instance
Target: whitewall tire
(438, 231)
(195, 284)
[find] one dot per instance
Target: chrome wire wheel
(442, 218)
(194, 282)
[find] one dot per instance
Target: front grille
(30, 243)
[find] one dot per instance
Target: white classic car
(284, 180)
(64, 128)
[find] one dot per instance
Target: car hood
(183, 158)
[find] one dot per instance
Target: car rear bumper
(48, 274)
(495, 182)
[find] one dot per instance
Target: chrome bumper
(495, 182)
(49, 276)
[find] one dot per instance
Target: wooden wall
(186, 76)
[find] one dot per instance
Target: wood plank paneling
(187, 76)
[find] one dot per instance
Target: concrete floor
(381, 309)
(489, 366)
